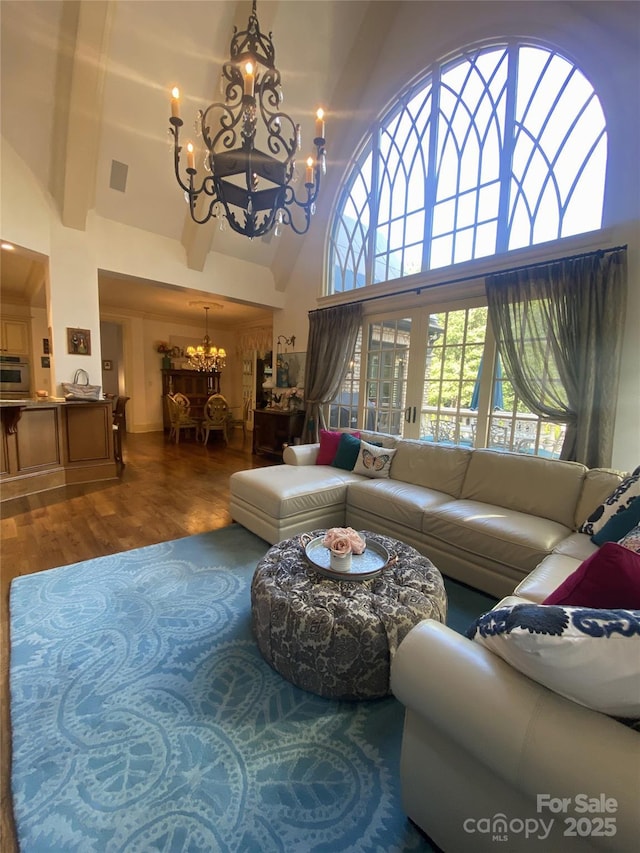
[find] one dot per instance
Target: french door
(390, 367)
(435, 374)
(422, 375)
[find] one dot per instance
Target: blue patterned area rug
(145, 719)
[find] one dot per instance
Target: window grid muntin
(444, 419)
(344, 412)
(361, 181)
(514, 206)
(556, 111)
(387, 370)
(458, 126)
(407, 113)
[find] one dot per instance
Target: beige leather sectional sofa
(483, 517)
(491, 760)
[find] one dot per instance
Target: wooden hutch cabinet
(272, 429)
(196, 385)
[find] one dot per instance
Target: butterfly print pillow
(374, 462)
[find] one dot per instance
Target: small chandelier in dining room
(204, 356)
(251, 147)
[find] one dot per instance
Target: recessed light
(7, 246)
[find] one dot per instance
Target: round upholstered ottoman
(337, 638)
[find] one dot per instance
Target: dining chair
(217, 417)
(179, 409)
(242, 421)
(119, 426)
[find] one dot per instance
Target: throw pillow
(608, 578)
(329, 441)
(619, 524)
(618, 500)
(374, 462)
(632, 539)
(347, 452)
(589, 656)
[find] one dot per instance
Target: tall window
(501, 148)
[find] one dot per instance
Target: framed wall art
(79, 341)
(107, 364)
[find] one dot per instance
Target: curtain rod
(419, 288)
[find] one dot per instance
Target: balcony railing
(521, 432)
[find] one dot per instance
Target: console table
(273, 428)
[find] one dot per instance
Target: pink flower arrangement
(344, 540)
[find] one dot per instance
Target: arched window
(500, 148)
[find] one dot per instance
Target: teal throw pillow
(347, 452)
(619, 524)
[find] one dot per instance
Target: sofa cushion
(508, 537)
(542, 487)
(598, 483)
(329, 440)
(547, 576)
(380, 439)
(576, 545)
(619, 499)
(399, 503)
(619, 524)
(608, 578)
(281, 491)
(374, 462)
(591, 656)
(426, 464)
(632, 539)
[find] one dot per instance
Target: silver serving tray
(363, 566)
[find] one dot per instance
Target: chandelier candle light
(251, 147)
(204, 356)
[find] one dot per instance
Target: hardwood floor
(166, 491)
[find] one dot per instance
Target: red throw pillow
(329, 441)
(610, 578)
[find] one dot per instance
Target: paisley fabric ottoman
(337, 638)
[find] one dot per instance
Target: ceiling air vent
(118, 179)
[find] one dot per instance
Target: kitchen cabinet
(14, 336)
(272, 429)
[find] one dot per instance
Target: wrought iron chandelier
(204, 356)
(251, 147)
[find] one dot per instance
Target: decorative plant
(344, 540)
(293, 398)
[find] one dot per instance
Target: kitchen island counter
(51, 442)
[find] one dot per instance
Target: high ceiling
(142, 49)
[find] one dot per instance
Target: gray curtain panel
(559, 329)
(333, 333)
